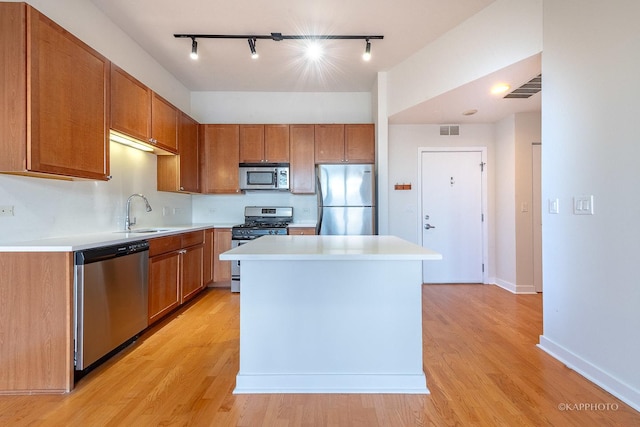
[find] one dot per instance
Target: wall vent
(528, 89)
(447, 130)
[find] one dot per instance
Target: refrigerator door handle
(320, 206)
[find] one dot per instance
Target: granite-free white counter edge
(80, 242)
(329, 248)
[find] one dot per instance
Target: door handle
(429, 226)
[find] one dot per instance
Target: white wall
(514, 195)
(52, 208)
(590, 138)
(281, 107)
(404, 141)
(528, 130)
(503, 33)
(505, 203)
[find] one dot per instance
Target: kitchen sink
(145, 230)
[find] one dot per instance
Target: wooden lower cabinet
(297, 231)
(36, 322)
(192, 265)
(164, 284)
(208, 257)
(175, 271)
(222, 243)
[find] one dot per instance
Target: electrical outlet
(6, 210)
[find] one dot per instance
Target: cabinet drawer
(193, 238)
(161, 245)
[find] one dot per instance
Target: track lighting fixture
(367, 51)
(194, 48)
(277, 37)
(252, 46)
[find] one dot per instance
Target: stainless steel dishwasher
(110, 299)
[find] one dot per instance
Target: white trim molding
(613, 385)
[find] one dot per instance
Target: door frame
(484, 186)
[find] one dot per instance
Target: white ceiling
(226, 65)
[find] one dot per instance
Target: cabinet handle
(181, 188)
(153, 141)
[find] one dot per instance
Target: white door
(451, 184)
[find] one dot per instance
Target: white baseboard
(331, 383)
(513, 288)
(622, 391)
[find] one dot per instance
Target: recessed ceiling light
(500, 88)
(469, 112)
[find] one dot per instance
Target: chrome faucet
(127, 222)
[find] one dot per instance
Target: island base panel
(331, 327)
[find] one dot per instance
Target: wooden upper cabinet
(251, 143)
(264, 143)
(329, 143)
(352, 143)
(67, 107)
(164, 124)
(359, 143)
(276, 143)
(130, 105)
(302, 166)
(138, 112)
(220, 158)
(181, 173)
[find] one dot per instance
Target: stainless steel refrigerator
(346, 199)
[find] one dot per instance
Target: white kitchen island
(330, 314)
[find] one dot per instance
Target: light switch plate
(583, 205)
(554, 206)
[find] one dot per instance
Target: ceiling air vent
(528, 89)
(446, 130)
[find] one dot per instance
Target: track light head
(194, 48)
(367, 51)
(252, 47)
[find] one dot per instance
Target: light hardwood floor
(480, 358)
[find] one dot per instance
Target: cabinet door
(329, 143)
(220, 159)
(69, 103)
(276, 143)
(164, 284)
(207, 268)
(222, 243)
(130, 105)
(192, 259)
(251, 143)
(164, 124)
(359, 143)
(301, 231)
(302, 166)
(182, 172)
(189, 154)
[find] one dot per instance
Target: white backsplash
(51, 208)
(46, 208)
(229, 209)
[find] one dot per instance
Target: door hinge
(481, 217)
(483, 268)
(482, 164)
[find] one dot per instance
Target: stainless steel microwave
(263, 176)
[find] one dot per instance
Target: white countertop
(79, 242)
(330, 248)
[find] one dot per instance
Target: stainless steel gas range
(258, 221)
